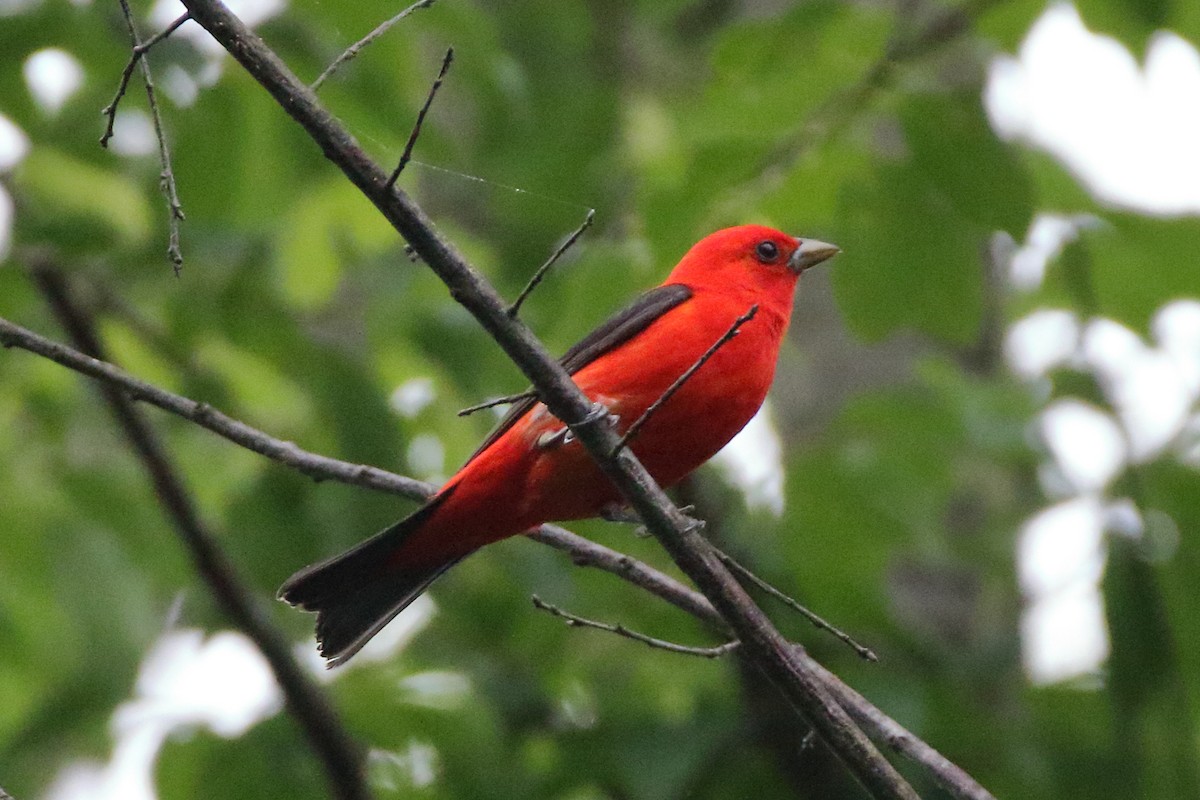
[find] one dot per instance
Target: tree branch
(496, 401)
(354, 49)
(620, 630)
(136, 54)
(633, 429)
(319, 722)
(540, 274)
(817, 621)
(583, 552)
(167, 176)
(406, 156)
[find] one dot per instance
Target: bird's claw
(564, 436)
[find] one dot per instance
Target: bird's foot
(564, 436)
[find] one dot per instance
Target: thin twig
(583, 552)
(496, 401)
(620, 630)
(406, 156)
(538, 276)
(354, 49)
(682, 379)
(136, 54)
(167, 176)
(818, 622)
(317, 719)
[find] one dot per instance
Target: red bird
(530, 469)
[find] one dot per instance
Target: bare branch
(496, 401)
(135, 56)
(167, 176)
(620, 630)
(948, 775)
(315, 466)
(339, 755)
(406, 156)
(682, 379)
(583, 552)
(538, 276)
(818, 622)
(354, 49)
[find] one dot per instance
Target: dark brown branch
(817, 621)
(620, 630)
(496, 401)
(406, 156)
(682, 379)
(167, 176)
(538, 276)
(583, 552)
(337, 752)
(354, 49)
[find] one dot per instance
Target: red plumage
(529, 472)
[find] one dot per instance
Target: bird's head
(750, 259)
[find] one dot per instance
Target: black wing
(618, 329)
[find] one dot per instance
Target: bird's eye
(766, 252)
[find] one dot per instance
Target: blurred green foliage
(910, 466)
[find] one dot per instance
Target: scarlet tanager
(530, 469)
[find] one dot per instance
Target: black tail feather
(356, 593)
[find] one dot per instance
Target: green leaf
(77, 203)
(909, 261)
(953, 145)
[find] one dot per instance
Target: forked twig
(416, 130)
(620, 630)
(135, 56)
(682, 379)
(538, 276)
(354, 49)
(818, 622)
(167, 176)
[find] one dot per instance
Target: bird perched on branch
(531, 470)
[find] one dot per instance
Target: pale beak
(810, 253)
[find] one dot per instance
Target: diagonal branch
(337, 752)
(583, 552)
(315, 466)
(682, 379)
(817, 621)
(496, 401)
(620, 630)
(767, 649)
(538, 276)
(354, 49)
(406, 156)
